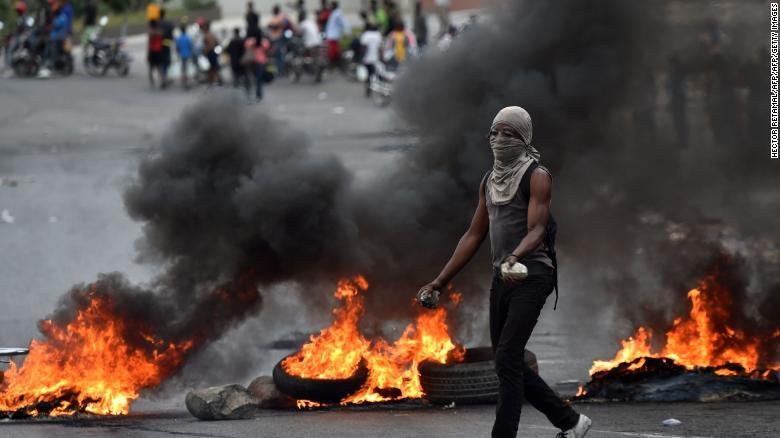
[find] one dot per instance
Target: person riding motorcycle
(60, 31)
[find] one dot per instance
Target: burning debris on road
(339, 351)
(97, 363)
(235, 201)
(709, 355)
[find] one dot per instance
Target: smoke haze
(234, 202)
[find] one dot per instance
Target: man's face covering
(506, 144)
(510, 141)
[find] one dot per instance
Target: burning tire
(319, 390)
(473, 381)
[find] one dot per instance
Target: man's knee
(509, 363)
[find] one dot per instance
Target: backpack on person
(155, 42)
(248, 57)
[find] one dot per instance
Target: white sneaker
(579, 430)
(44, 73)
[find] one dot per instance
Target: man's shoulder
(542, 171)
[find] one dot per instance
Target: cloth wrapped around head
(512, 156)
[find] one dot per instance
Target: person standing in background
(336, 28)
(400, 45)
(67, 9)
(252, 19)
(300, 8)
(90, 22)
(371, 40)
(210, 44)
(154, 50)
(379, 15)
(420, 25)
(185, 52)
(393, 15)
(58, 36)
(323, 14)
(258, 45)
(310, 34)
(235, 50)
(196, 33)
(277, 27)
(166, 28)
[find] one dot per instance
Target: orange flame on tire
(335, 353)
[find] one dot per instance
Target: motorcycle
(351, 60)
(27, 60)
(307, 61)
(381, 85)
(102, 54)
(24, 59)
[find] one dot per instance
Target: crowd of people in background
(257, 54)
(380, 38)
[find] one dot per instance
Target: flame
(395, 366)
(705, 338)
(307, 404)
(88, 365)
(633, 347)
(336, 351)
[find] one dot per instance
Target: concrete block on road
(268, 396)
(231, 402)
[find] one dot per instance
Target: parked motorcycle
(382, 84)
(24, 63)
(101, 54)
(303, 61)
(351, 60)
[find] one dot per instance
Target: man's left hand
(512, 270)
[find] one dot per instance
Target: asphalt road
(67, 149)
(721, 420)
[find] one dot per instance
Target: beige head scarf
(512, 157)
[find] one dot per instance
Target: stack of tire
(473, 381)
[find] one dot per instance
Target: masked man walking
(514, 209)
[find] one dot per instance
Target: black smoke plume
(233, 202)
(652, 118)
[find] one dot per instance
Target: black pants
(514, 311)
(371, 69)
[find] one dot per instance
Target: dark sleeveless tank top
(508, 226)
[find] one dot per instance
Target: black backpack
(552, 226)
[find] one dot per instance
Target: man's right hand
(428, 296)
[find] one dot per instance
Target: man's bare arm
(538, 214)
